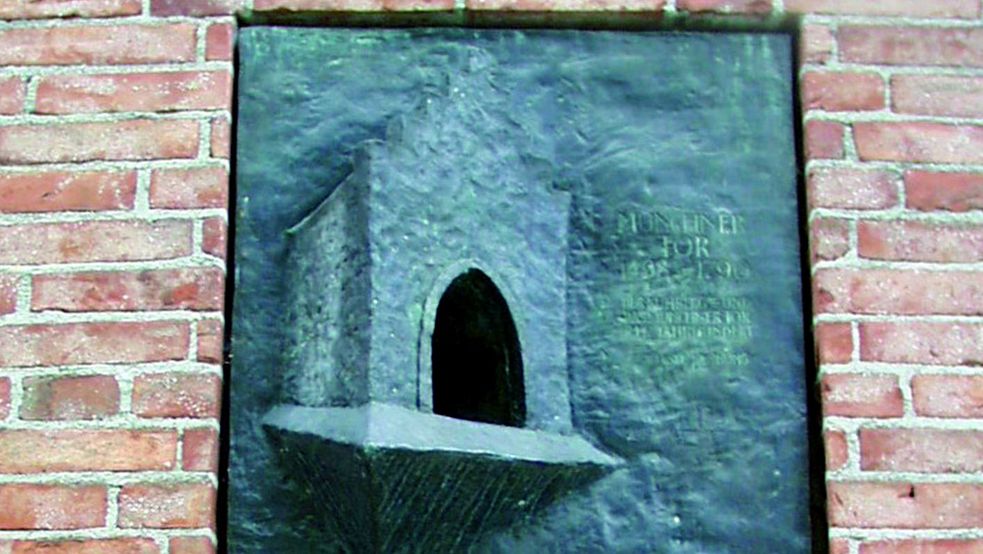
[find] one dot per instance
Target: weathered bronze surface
(622, 210)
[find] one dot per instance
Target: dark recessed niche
(477, 360)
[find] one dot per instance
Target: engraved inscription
(674, 269)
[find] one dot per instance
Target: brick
(94, 241)
(837, 92)
(947, 9)
(885, 291)
(90, 546)
(921, 450)
(948, 395)
(852, 189)
(893, 45)
(954, 192)
(829, 239)
(905, 506)
(214, 235)
(98, 45)
(166, 8)
(919, 142)
(177, 395)
(39, 9)
(353, 5)
(170, 289)
(221, 143)
(4, 397)
(112, 141)
(30, 451)
(24, 506)
(200, 451)
(93, 343)
(8, 294)
(12, 93)
(851, 395)
(923, 547)
(191, 545)
(567, 5)
(920, 242)
(167, 506)
(219, 41)
(940, 95)
(839, 546)
(922, 343)
(824, 139)
(206, 187)
(70, 398)
(210, 341)
(815, 44)
(135, 92)
(61, 191)
(836, 450)
(834, 343)
(725, 6)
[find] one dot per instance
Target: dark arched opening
(477, 362)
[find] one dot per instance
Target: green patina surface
(683, 336)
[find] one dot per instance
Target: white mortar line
(894, 21)
(874, 368)
(141, 201)
(113, 478)
(853, 451)
(205, 140)
(106, 117)
(57, 317)
(179, 456)
(105, 533)
(112, 506)
(16, 399)
(903, 534)
(842, 423)
(122, 21)
(193, 342)
(896, 318)
(849, 145)
(125, 383)
(886, 116)
(887, 265)
(852, 241)
(887, 70)
(114, 165)
(201, 41)
(120, 69)
(198, 236)
(895, 165)
(855, 337)
(119, 423)
(187, 262)
(907, 396)
(24, 294)
(126, 372)
(136, 216)
(902, 214)
(31, 96)
(888, 92)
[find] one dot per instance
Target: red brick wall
(114, 147)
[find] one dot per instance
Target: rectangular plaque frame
(686, 352)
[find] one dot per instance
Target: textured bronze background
(684, 337)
